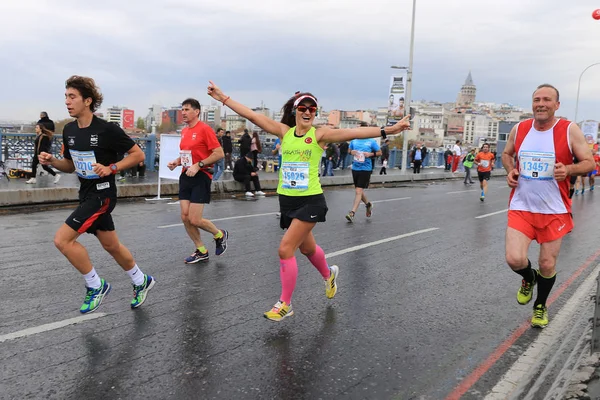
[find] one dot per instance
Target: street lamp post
(579, 87)
(407, 98)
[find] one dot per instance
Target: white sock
(92, 280)
(136, 275)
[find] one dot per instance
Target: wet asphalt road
(412, 318)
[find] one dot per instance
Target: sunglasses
(302, 109)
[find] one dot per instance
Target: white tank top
(538, 191)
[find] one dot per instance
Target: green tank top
(300, 159)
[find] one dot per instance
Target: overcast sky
(162, 51)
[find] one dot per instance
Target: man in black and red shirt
(91, 148)
(199, 148)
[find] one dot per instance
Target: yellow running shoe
(525, 292)
(279, 311)
(331, 282)
(540, 317)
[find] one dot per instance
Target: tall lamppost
(579, 87)
(407, 98)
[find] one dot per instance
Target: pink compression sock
(288, 272)
(318, 260)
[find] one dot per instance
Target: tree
(140, 124)
(167, 127)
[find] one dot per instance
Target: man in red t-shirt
(484, 161)
(199, 148)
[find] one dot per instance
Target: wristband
(383, 135)
(225, 101)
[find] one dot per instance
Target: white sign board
(169, 151)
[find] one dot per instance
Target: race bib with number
(83, 160)
(294, 175)
(359, 156)
(536, 165)
(485, 163)
(186, 158)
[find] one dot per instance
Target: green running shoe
(140, 292)
(94, 297)
(525, 292)
(540, 317)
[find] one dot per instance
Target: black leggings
(34, 165)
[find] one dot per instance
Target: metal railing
(20, 146)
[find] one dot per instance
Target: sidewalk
(16, 192)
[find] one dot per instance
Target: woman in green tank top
(301, 200)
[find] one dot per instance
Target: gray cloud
(145, 52)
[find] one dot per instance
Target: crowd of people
(538, 158)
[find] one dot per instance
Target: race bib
(536, 165)
(83, 160)
(359, 156)
(186, 158)
(294, 175)
(485, 163)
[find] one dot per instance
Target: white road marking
(222, 219)
(375, 243)
(463, 191)
(383, 201)
(524, 369)
(490, 214)
(502, 187)
(50, 326)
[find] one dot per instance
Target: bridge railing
(20, 146)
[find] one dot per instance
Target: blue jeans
(329, 168)
(219, 167)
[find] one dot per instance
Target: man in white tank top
(539, 205)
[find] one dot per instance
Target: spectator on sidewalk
(43, 142)
(277, 152)
(448, 157)
(245, 142)
(219, 166)
(331, 155)
(385, 155)
(417, 155)
(228, 150)
(457, 153)
(245, 172)
(343, 154)
(46, 122)
(255, 148)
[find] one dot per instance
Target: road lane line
(464, 191)
(398, 199)
(49, 327)
(490, 214)
(522, 368)
(375, 243)
(222, 219)
(488, 363)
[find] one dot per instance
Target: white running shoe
(260, 193)
(249, 194)
(31, 180)
(57, 178)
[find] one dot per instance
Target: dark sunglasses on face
(302, 109)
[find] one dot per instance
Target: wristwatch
(200, 164)
(113, 169)
(383, 135)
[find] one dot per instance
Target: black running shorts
(93, 214)
(484, 176)
(305, 208)
(361, 178)
(195, 189)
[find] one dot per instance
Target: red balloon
(596, 14)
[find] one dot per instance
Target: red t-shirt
(597, 161)
(201, 140)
